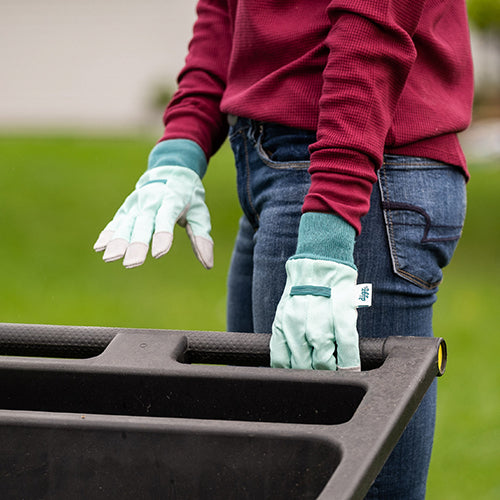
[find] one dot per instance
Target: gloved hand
(169, 192)
(315, 322)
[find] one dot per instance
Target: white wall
(86, 63)
(94, 63)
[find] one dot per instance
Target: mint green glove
(315, 322)
(169, 192)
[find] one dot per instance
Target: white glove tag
(363, 295)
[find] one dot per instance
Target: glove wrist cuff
(180, 152)
(325, 236)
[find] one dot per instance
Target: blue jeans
(408, 236)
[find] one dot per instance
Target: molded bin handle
(241, 349)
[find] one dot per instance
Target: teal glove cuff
(179, 152)
(325, 236)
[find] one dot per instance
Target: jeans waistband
(256, 127)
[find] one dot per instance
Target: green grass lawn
(56, 194)
(466, 459)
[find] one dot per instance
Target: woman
(343, 117)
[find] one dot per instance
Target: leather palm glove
(315, 322)
(169, 192)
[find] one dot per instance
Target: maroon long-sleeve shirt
(369, 76)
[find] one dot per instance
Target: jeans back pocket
(424, 203)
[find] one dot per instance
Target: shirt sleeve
(371, 53)
(194, 111)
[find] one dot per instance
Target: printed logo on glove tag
(363, 295)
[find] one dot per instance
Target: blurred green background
(58, 192)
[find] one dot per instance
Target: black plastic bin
(156, 414)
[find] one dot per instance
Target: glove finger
(174, 205)
(161, 244)
(119, 220)
(135, 255)
(295, 315)
(149, 200)
(115, 250)
(117, 246)
(198, 217)
(102, 241)
(109, 232)
(203, 248)
(280, 354)
(168, 214)
(300, 355)
(347, 339)
(143, 229)
(320, 335)
(323, 357)
(125, 226)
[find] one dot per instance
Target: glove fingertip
(350, 369)
(278, 348)
(280, 359)
(161, 244)
(204, 251)
(115, 250)
(135, 255)
(103, 239)
(279, 364)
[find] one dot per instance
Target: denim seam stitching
(389, 205)
(385, 196)
(416, 164)
(425, 284)
(433, 240)
(247, 167)
(293, 165)
(392, 247)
